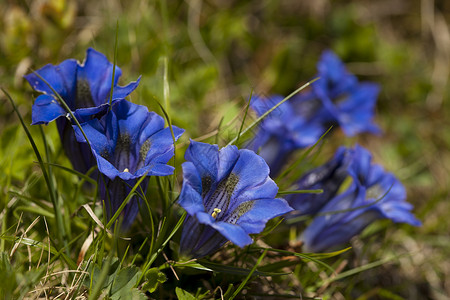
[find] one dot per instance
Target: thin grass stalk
(258, 120)
(155, 255)
(114, 65)
(59, 221)
(245, 116)
(244, 282)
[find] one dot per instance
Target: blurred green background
(219, 52)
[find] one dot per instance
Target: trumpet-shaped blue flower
(344, 100)
(327, 177)
(228, 195)
(85, 88)
(337, 98)
(284, 130)
(128, 142)
(373, 194)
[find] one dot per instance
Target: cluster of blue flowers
(124, 140)
(356, 193)
(336, 99)
(227, 193)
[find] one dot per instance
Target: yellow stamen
(215, 212)
(126, 170)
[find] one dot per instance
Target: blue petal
(94, 131)
(205, 157)
(155, 169)
(79, 154)
(262, 211)
(198, 240)
(106, 168)
(46, 109)
(267, 189)
(234, 233)
(327, 177)
(89, 113)
(336, 233)
(97, 71)
(360, 165)
(227, 160)
(399, 212)
(62, 78)
(190, 196)
(133, 118)
(262, 105)
(161, 149)
(356, 113)
(121, 92)
(251, 170)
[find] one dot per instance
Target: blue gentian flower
(128, 142)
(284, 130)
(86, 90)
(344, 101)
(228, 195)
(373, 194)
(328, 177)
(337, 99)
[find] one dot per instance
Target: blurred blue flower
(284, 130)
(128, 142)
(228, 195)
(373, 194)
(328, 177)
(344, 100)
(85, 88)
(337, 98)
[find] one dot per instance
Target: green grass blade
(303, 156)
(59, 221)
(114, 65)
(318, 191)
(244, 282)
(304, 256)
(153, 257)
(216, 139)
(85, 177)
(245, 116)
(204, 264)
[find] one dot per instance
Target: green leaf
(183, 295)
(304, 256)
(131, 294)
(192, 264)
(7, 277)
(235, 270)
(126, 278)
(154, 278)
(244, 282)
(229, 292)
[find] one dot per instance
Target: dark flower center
(124, 158)
(239, 211)
(122, 154)
(218, 201)
(84, 96)
(143, 154)
(206, 185)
